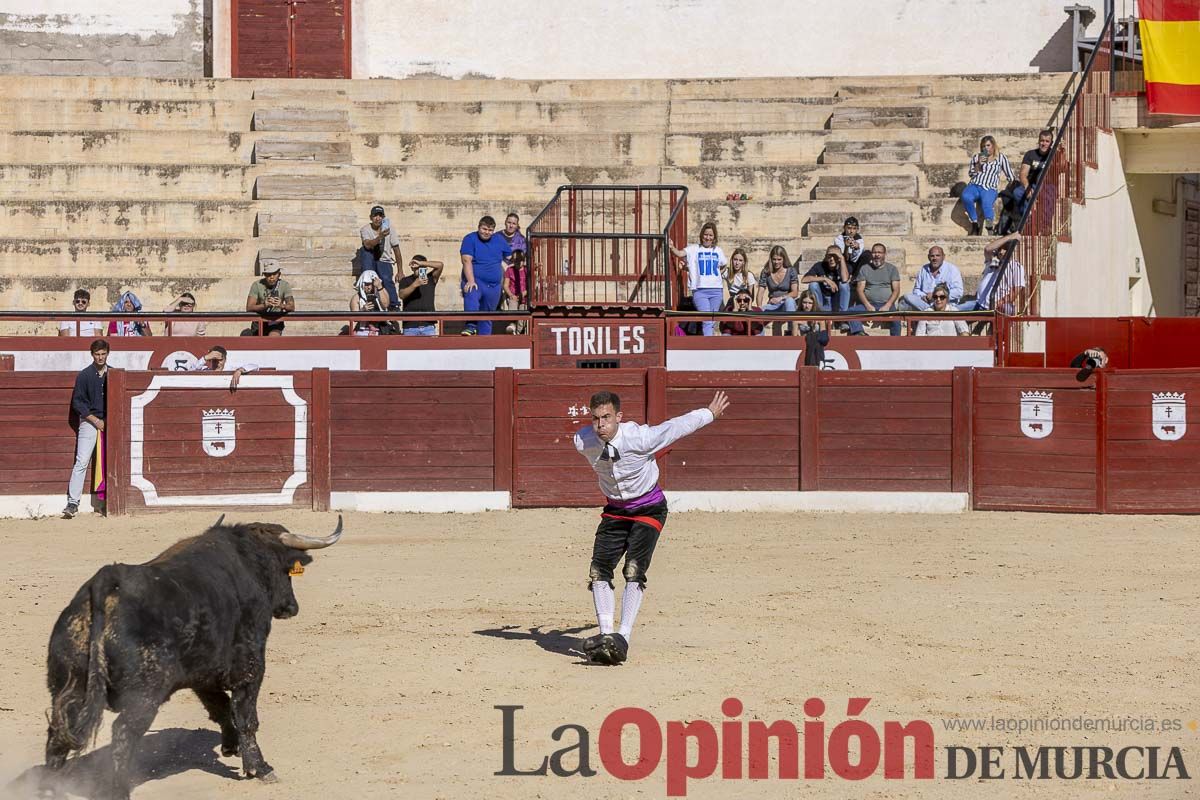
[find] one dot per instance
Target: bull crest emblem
(1037, 414)
(219, 432)
(1169, 415)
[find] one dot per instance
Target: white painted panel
(75, 360)
(731, 360)
(924, 359)
(451, 360)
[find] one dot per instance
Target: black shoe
(618, 648)
(71, 510)
(591, 644)
(974, 229)
(991, 230)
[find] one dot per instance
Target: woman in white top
(738, 275)
(985, 169)
(704, 262)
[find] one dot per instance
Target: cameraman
(370, 297)
(1091, 359)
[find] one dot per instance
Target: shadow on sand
(160, 754)
(563, 642)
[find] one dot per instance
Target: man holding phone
(417, 292)
(381, 252)
(272, 297)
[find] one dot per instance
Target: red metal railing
(607, 246)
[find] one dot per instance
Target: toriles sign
(598, 343)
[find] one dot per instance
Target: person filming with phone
(370, 297)
(417, 290)
(270, 296)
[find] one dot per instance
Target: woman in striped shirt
(985, 168)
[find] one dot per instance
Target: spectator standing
(417, 291)
(370, 297)
(128, 303)
(742, 301)
(91, 328)
(850, 242)
(1008, 284)
(737, 274)
(271, 296)
(380, 252)
(512, 234)
(1032, 164)
(877, 288)
(483, 255)
(985, 169)
(184, 304)
(516, 289)
(778, 285)
(941, 327)
(89, 404)
(704, 264)
(934, 272)
(828, 281)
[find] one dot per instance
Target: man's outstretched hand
(719, 403)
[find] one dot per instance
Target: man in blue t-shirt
(483, 256)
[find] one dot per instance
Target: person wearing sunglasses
(941, 327)
(742, 301)
(90, 328)
(186, 304)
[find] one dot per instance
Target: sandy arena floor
(415, 626)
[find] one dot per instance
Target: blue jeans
(782, 305)
(974, 193)
(857, 327)
(485, 298)
(823, 297)
(367, 260)
(707, 300)
(420, 329)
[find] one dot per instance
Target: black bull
(196, 617)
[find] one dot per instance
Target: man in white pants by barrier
(88, 402)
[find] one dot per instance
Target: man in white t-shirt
(90, 328)
(214, 361)
(704, 263)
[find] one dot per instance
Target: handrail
(1006, 260)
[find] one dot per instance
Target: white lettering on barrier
(600, 340)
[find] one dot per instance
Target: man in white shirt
(622, 454)
(941, 327)
(214, 361)
(89, 328)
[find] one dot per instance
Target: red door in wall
(291, 38)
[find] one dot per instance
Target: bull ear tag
(296, 570)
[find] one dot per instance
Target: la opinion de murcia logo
(1037, 414)
(218, 432)
(1169, 415)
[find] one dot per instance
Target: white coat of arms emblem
(219, 432)
(1037, 414)
(1169, 415)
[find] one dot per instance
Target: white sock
(606, 603)
(631, 601)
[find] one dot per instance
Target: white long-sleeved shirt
(629, 470)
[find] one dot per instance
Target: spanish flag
(1171, 55)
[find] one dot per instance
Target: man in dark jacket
(88, 402)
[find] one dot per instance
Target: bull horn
(299, 541)
(220, 519)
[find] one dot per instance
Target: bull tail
(87, 718)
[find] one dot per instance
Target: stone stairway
(164, 186)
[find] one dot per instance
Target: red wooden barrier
(412, 431)
(37, 437)
(1035, 441)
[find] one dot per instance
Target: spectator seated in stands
(778, 285)
(738, 275)
(850, 242)
(417, 291)
(128, 304)
(270, 296)
(91, 328)
(934, 272)
(985, 169)
(815, 332)
(828, 281)
(1032, 164)
(941, 327)
(380, 252)
(372, 298)
(998, 291)
(215, 361)
(877, 288)
(742, 301)
(516, 289)
(185, 304)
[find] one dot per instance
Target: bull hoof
(229, 750)
(269, 777)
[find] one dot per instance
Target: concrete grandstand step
(65, 254)
(507, 149)
(841, 187)
(309, 225)
(1044, 85)
(301, 119)
(873, 223)
(856, 117)
(292, 95)
(336, 186)
(893, 90)
(307, 261)
(873, 152)
(526, 184)
(704, 116)
(124, 147)
(111, 181)
(312, 152)
(488, 116)
(116, 114)
(134, 218)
